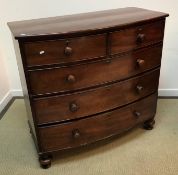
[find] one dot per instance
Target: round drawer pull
(76, 133)
(140, 38)
(68, 51)
(71, 78)
(140, 62)
(137, 114)
(139, 88)
(73, 107)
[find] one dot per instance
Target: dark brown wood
(58, 108)
(68, 51)
(73, 107)
(140, 62)
(54, 51)
(71, 78)
(26, 87)
(149, 124)
(140, 38)
(56, 80)
(45, 160)
(90, 76)
(135, 37)
(82, 22)
(105, 125)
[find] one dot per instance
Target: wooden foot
(45, 160)
(149, 125)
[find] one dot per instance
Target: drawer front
(98, 127)
(71, 106)
(64, 51)
(135, 37)
(87, 75)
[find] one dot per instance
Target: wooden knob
(68, 51)
(73, 107)
(140, 62)
(76, 133)
(137, 114)
(140, 38)
(139, 88)
(71, 78)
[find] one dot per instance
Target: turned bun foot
(45, 161)
(149, 125)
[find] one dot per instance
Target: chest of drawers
(90, 76)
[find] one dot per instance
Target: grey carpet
(138, 152)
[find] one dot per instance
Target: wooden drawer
(71, 106)
(64, 51)
(135, 37)
(87, 75)
(84, 131)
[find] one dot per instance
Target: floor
(138, 152)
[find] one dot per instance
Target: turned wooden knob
(68, 51)
(76, 133)
(140, 62)
(137, 114)
(140, 38)
(139, 88)
(71, 78)
(73, 107)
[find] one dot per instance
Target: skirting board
(17, 93)
(8, 99)
(5, 100)
(9, 96)
(168, 92)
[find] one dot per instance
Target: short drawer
(135, 37)
(86, 103)
(88, 130)
(88, 75)
(65, 50)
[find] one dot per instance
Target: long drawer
(76, 105)
(84, 131)
(64, 50)
(88, 75)
(131, 38)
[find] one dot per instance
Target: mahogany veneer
(65, 50)
(60, 78)
(89, 76)
(57, 108)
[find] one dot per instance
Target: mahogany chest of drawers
(90, 76)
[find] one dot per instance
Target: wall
(20, 10)
(5, 95)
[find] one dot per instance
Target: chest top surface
(82, 22)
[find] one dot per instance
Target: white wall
(21, 9)
(3, 78)
(4, 82)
